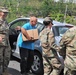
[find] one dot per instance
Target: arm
(52, 42)
(51, 38)
(53, 46)
(24, 32)
(65, 41)
(0, 39)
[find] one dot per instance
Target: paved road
(14, 67)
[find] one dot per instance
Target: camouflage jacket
(68, 47)
(4, 32)
(47, 40)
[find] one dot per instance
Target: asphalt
(14, 67)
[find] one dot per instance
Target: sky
(56, 0)
(66, 0)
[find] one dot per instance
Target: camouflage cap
(48, 19)
(4, 9)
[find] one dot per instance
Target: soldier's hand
(0, 39)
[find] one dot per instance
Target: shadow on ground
(13, 71)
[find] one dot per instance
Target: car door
(58, 33)
(13, 33)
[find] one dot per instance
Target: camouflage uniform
(68, 48)
(47, 40)
(4, 45)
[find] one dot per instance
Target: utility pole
(18, 3)
(65, 13)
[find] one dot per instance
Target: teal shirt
(27, 44)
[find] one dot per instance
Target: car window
(59, 30)
(39, 27)
(62, 30)
(18, 23)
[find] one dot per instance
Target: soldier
(50, 61)
(4, 41)
(68, 48)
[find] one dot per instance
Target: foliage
(41, 8)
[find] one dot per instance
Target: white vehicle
(58, 29)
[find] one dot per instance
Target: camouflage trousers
(54, 68)
(4, 57)
(70, 65)
(69, 72)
